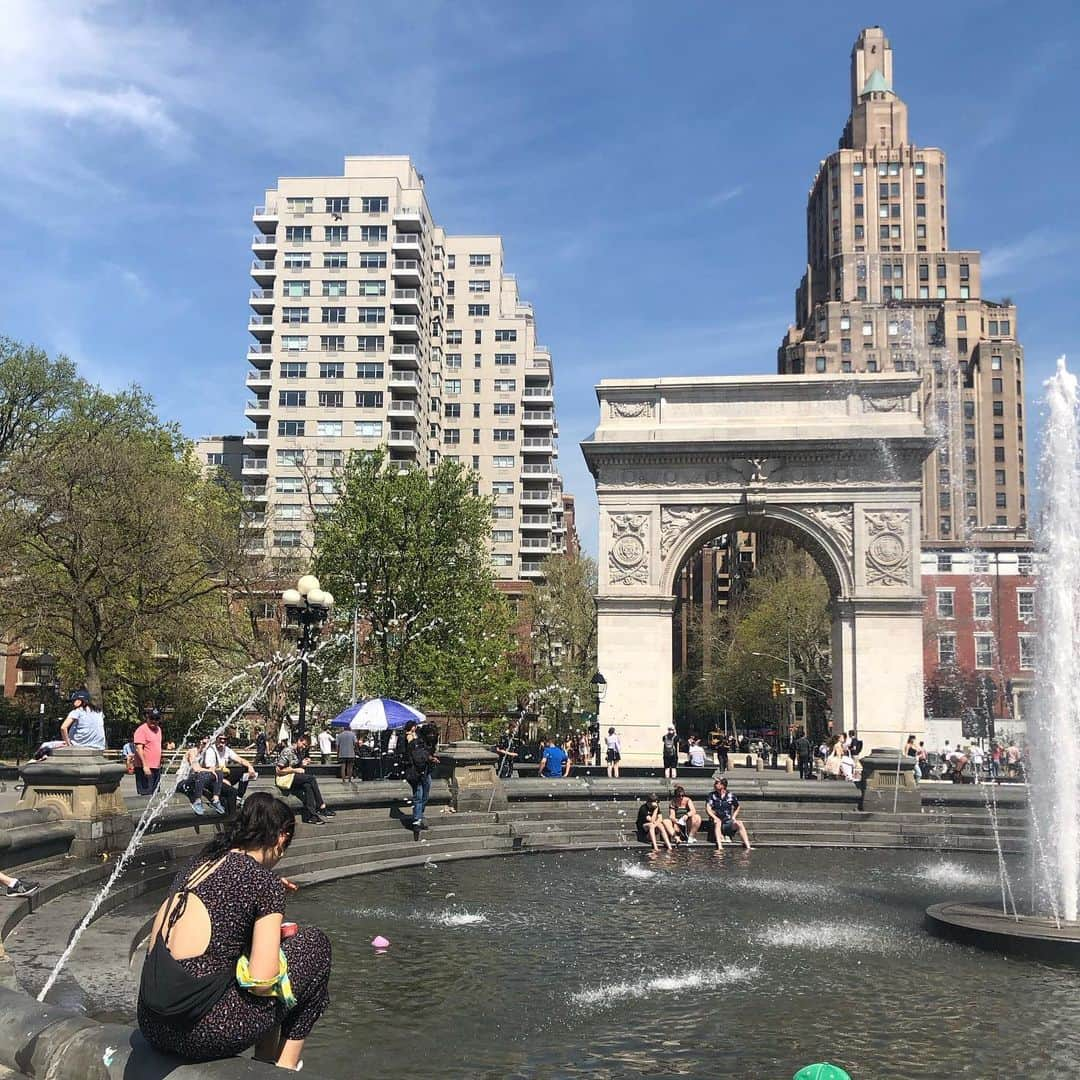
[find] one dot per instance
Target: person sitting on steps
(683, 814)
(293, 777)
(650, 824)
(220, 976)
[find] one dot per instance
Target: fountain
(1051, 927)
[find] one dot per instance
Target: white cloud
(1034, 247)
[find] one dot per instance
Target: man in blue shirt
(553, 762)
(723, 808)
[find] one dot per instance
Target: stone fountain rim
(987, 927)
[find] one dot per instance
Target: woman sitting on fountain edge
(224, 905)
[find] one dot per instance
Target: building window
(505, 386)
(504, 461)
(505, 359)
(332, 342)
(368, 429)
(297, 288)
(333, 314)
(293, 371)
(370, 314)
(331, 399)
(330, 429)
(453, 386)
(300, 204)
(984, 650)
(946, 603)
(373, 260)
(479, 310)
(944, 563)
(374, 204)
(1025, 604)
(479, 260)
(502, 536)
(329, 459)
(371, 343)
(980, 562)
(479, 285)
(504, 434)
(336, 234)
(332, 370)
(290, 457)
(294, 314)
(369, 399)
(502, 487)
(286, 538)
(369, 371)
(290, 429)
(337, 205)
(945, 526)
(1027, 651)
(819, 363)
(1024, 564)
(504, 408)
(999, 431)
(294, 342)
(946, 650)
(298, 234)
(373, 234)
(980, 599)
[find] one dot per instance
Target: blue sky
(647, 166)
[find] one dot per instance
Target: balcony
(405, 380)
(536, 444)
(254, 492)
(258, 408)
(262, 299)
(261, 325)
(531, 569)
(539, 471)
(407, 300)
(536, 521)
(253, 466)
(264, 242)
(255, 547)
(407, 271)
(266, 217)
(538, 417)
(259, 378)
(253, 521)
(539, 394)
(404, 437)
(535, 545)
(536, 498)
(408, 219)
(264, 270)
(406, 407)
(408, 245)
(257, 437)
(405, 355)
(260, 354)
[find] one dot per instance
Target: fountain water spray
(1055, 791)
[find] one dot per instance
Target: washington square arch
(834, 463)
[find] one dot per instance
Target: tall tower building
(373, 327)
(883, 291)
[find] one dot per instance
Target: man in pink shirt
(147, 740)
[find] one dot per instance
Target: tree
(407, 550)
(561, 615)
(112, 535)
(34, 390)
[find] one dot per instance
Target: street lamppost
(46, 678)
(599, 685)
(308, 607)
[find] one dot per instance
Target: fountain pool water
(736, 965)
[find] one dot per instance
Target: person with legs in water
(723, 807)
(650, 824)
(683, 815)
(220, 976)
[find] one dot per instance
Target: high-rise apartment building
(883, 291)
(374, 327)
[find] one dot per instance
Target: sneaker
(314, 819)
(692, 840)
(22, 888)
(327, 812)
(198, 808)
(218, 808)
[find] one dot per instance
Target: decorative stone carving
(674, 520)
(631, 410)
(839, 520)
(628, 557)
(876, 403)
(888, 557)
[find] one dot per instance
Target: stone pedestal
(84, 786)
(888, 783)
(470, 771)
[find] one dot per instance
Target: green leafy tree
(407, 550)
(561, 614)
(34, 391)
(111, 535)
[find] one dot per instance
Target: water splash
(636, 870)
(599, 997)
(459, 918)
(784, 889)
(956, 875)
(1055, 792)
(823, 935)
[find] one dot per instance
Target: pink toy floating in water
(379, 942)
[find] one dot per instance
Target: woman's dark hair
(261, 820)
(679, 791)
(409, 725)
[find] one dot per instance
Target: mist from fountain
(1055, 786)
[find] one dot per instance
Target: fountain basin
(986, 927)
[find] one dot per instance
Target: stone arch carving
(825, 530)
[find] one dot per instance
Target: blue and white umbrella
(377, 714)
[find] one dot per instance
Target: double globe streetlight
(307, 606)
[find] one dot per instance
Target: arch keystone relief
(677, 461)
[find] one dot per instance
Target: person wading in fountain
(219, 977)
(650, 824)
(723, 808)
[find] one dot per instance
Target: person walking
(346, 754)
(670, 746)
(723, 807)
(220, 976)
(326, 744)
(804, 755)
(261, 757)
(553, 761)
(147, 740)
(84, 725)
(614, 752)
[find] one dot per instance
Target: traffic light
(777, 688)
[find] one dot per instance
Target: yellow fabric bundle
(279, 986)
